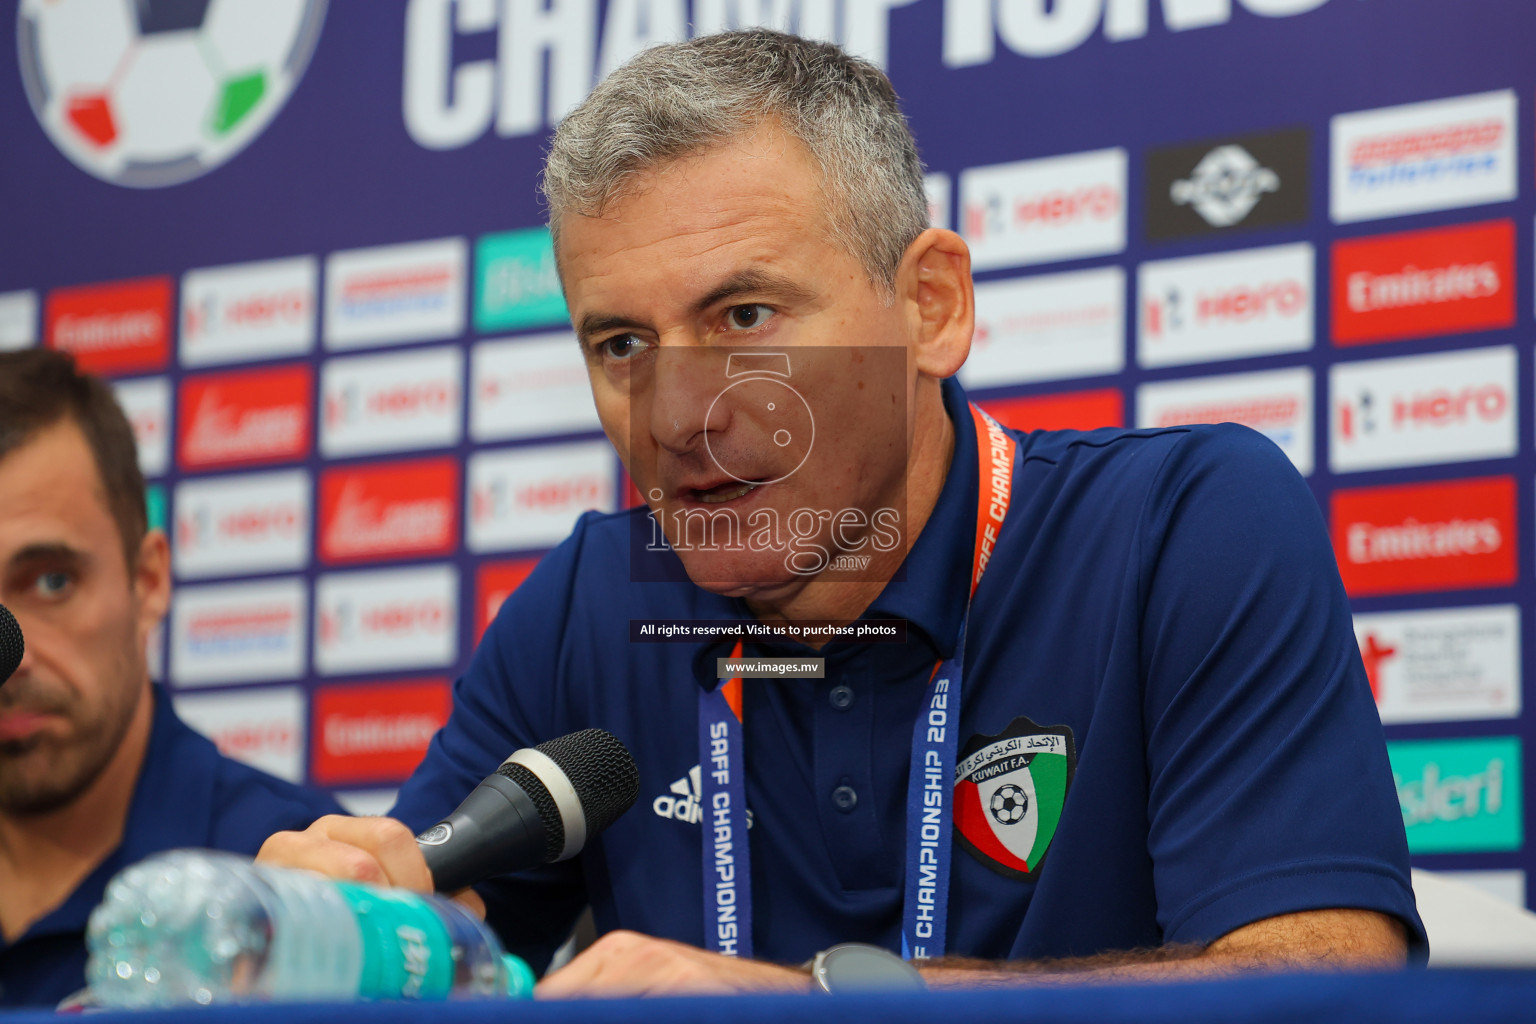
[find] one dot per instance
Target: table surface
(1433, 997)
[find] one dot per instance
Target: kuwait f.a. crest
(1009, 791)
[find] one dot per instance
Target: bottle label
(406, 950)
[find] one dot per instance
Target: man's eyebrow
(49, 552)
(744, 282)
(753, 280)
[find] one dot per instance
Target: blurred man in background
(96, 770)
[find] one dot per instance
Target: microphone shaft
(495, 830)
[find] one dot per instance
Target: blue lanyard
(727, 873)
(723, 821)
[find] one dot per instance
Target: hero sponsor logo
(530, 387)
(1414, 538)
(494, 583)
(1418, 284)
(395, 293)
(1460, 795)
(1443, 665)
(147, 404)
(231, 526)
(238, 633)
(386, 619)
(113, 328)
(389, 510)
(375, 732)
(18, 320)
(529, 498)
(1040, 211)
(395, 402)
(1276, 403)
(1227, 305)
(1424, 156)
(1421, 410)
(249, 311)
(245, 418)
(1049, 327)
(261, 726)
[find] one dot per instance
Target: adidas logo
(681, 801)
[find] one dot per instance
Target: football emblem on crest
(1010, 790)
(1009, 805)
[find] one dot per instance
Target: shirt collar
(931, 587)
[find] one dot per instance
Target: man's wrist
(858, 967)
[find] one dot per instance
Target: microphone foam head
(601, 771)
(12, 647)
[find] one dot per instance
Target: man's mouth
(16, 724)
(721, 493)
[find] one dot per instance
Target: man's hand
(630, 964)
(379, 851)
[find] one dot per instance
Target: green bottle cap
(520, 979)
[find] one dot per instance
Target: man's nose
(689, 379)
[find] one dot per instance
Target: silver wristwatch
(859, 967)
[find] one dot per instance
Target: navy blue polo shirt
(188, 794)
(1162, 613)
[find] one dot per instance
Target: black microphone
(543, 804)
(12, 647)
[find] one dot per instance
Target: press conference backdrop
(304, 240)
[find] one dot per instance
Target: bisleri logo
(157, 92)
(1460, 795)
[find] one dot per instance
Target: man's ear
(152, 582)
(934, 281)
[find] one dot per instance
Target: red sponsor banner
(115, 328)
(375, 732)
(1074, 410)
(494, 583)
(245, 418)
(1419, 284)
(389, 510)
(1417, 537)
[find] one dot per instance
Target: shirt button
(841, 697)
(845, 798)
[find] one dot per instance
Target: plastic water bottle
(195, 926)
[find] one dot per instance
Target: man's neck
(44, 857)
(933, 450)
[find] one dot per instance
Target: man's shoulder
(1123, 446)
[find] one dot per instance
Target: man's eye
(745, 318)
(620, 347)
(52, 584)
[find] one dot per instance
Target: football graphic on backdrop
(147, 93)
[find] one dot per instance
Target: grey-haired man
(752, 190)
